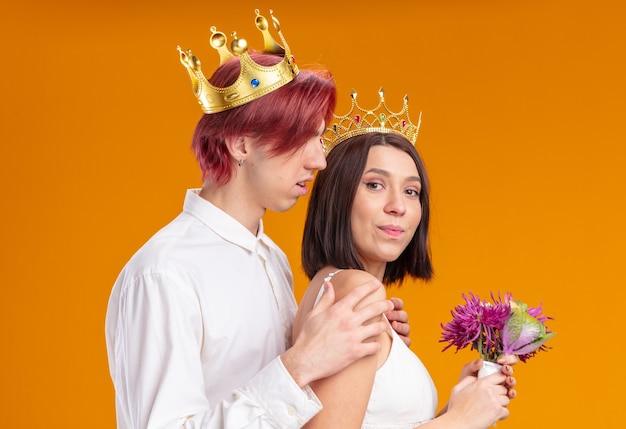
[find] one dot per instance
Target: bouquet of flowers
(500, 327)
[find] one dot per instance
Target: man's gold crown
(380, 119)
(254, 80)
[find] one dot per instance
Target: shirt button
(291, 411)
(301, 421)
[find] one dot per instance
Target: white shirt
(195, 324)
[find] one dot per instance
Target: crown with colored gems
(254, 80)
(377, 120)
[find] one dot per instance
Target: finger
(373, 309)
(508, 360)
(367, 349)
(371, 331)
(505, 413)
(465, 381)
(397, 315)
(328, 297)
(510, 382)
(496, 378)
(471, 369)
(512, 394)
(398, 304)
(406, 340)
(401, 328)
(358, 293)
(500, 390)
(507, 370)
(505, 400)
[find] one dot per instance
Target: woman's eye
(413, 192)
(373, 185)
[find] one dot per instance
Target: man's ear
(237, 147)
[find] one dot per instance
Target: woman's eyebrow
(387, 174)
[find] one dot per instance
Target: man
(199, 321)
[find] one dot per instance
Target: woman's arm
(345, 395)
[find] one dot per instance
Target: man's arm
(154, 338)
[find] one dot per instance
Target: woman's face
(386, 210)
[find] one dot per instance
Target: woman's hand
(497, 389)
(477, 403)
(507, 362)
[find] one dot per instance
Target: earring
(240, 162)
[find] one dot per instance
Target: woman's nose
(396, 205)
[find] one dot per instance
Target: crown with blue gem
(380, 119)
(254, 80)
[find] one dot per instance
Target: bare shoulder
(346, 281)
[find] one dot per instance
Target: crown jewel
(254, 80)
(379, 119)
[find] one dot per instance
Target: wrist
(446, 421)
(296, 367)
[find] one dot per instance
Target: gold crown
(380, 119)
(254, 80)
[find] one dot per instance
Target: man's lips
(304, 182)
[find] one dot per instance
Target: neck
(377, 270)
(229, 200)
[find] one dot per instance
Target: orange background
(523, 137)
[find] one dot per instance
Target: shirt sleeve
(270, 400)
(155, 334)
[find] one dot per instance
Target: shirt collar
(222, 223)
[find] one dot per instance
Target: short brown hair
(327, 236)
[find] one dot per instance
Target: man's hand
(336, 334)
(399, 320)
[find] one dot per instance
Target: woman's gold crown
(379, 119)
(254, 80)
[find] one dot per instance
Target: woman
(368, 218)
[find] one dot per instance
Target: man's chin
(284, 206)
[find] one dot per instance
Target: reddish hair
(285, 118)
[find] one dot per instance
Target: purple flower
(502, 326)
(465, 326)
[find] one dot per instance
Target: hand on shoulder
(345, 281)
(341, 329)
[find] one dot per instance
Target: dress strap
(326, 279)
(330, 275)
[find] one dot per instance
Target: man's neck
(234, 203)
